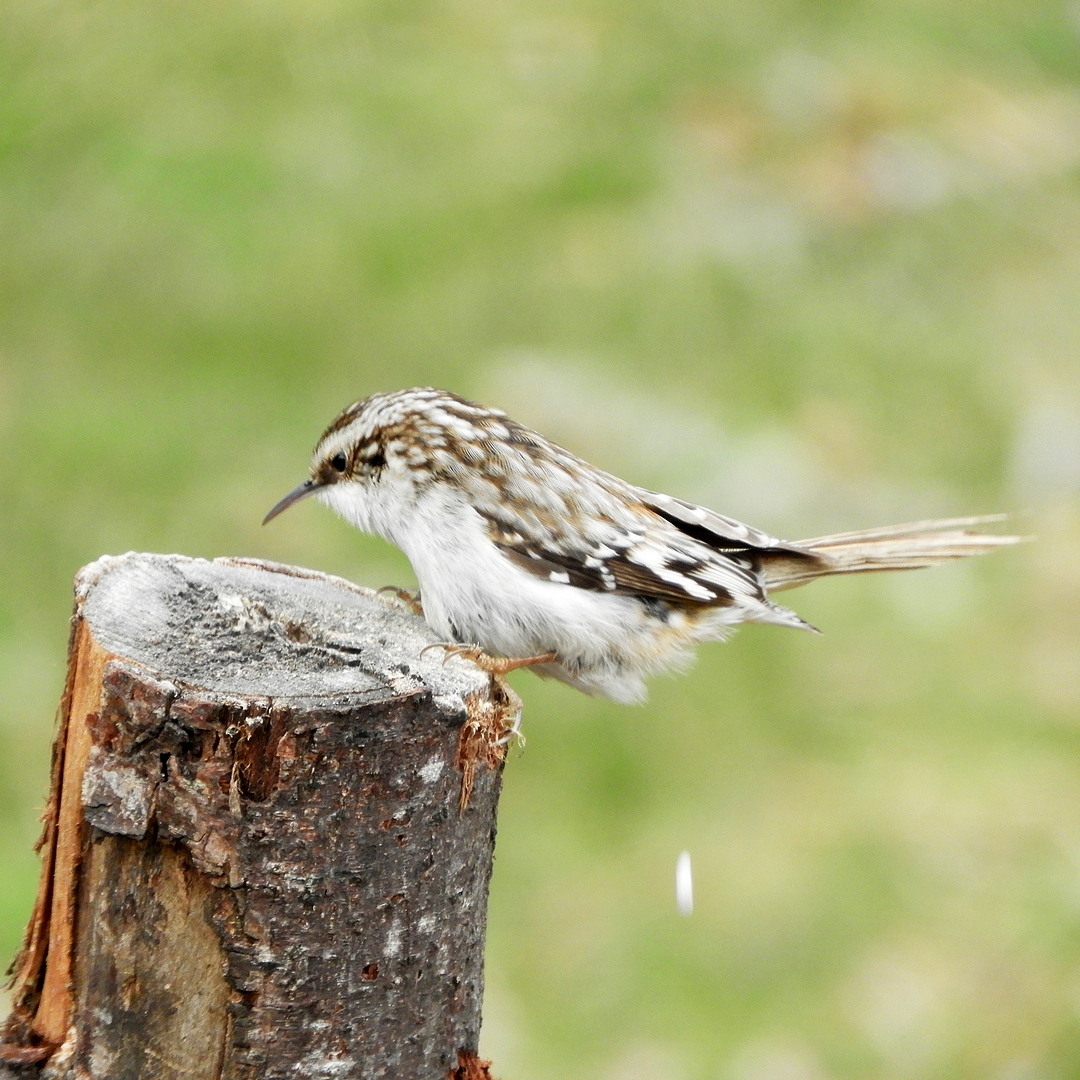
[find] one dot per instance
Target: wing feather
(654, 560)
(721, 533)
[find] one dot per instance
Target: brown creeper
(526, 552)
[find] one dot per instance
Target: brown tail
(891, 547)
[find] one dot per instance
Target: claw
(448, 650)
(409, 599)
(493, 665)
(513, 732)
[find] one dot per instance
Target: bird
(528, 556)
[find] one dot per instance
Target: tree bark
(268, 840)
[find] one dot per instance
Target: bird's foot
(493, 665)
(410, 600)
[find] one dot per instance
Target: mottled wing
(643, 555)
(772, 559)
(564, 520)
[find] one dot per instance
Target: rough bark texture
(254, 860)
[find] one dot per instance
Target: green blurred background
(816, 264)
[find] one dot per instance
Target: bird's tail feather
(890, 547)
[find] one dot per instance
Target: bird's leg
(411, 600)
(493, 665)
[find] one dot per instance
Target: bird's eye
(339, 462)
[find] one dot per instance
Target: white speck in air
(684, 884)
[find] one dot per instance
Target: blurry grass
(813, 263)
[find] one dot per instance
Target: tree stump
(269, 838)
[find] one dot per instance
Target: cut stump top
(246, 626)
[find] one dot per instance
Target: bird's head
(378, 454)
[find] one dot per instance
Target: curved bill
(308, 487)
